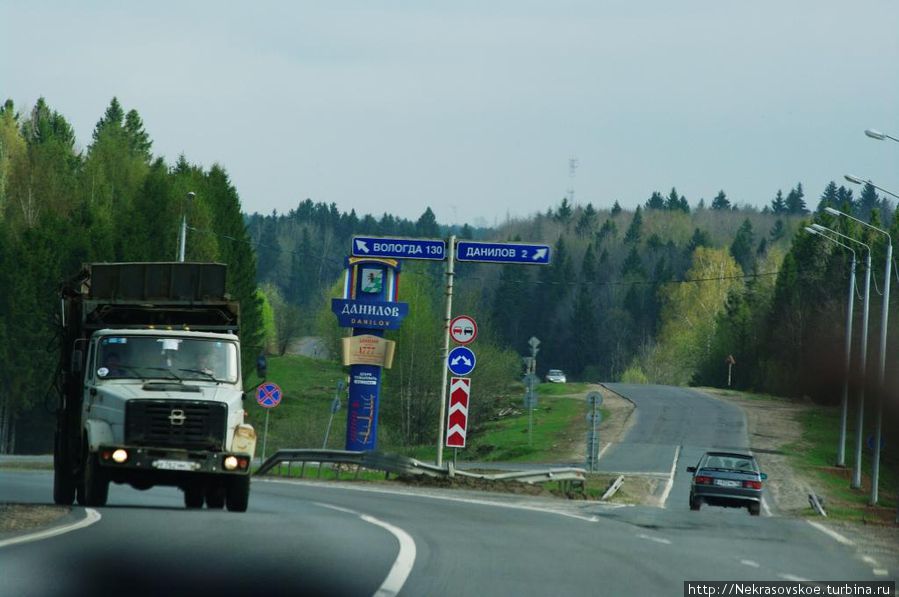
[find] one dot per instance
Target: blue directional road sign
(399, 248)
(467, 250)
(461, 361)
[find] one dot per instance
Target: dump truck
(150, 387)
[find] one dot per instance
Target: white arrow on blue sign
(503, 252)
(461, 361)
(399, 248)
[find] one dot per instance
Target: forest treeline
(62, 206)
(662, 293)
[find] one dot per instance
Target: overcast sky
(475, 107)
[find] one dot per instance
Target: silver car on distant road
(729, 479)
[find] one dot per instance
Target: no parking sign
(268, 395)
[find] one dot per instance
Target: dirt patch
(21, 517)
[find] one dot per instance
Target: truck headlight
(230, 463)
(120, 456)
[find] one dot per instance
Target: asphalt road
(344, 539)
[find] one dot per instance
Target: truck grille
(190, 424)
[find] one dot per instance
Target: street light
(884, 317)
(863, 357)
(182, 238)
(879, 136)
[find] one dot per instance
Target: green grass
(560, 389)
(558, 423)
(816, 455)
(308, 388)
(300, 420)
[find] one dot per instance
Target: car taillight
(752, 484)
(703, 480)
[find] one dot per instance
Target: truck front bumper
(171, 460)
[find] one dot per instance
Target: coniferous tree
(795, 202)
(778, 204)
(742, 249)
(720, 201)
(655, 201)
(635, 230)
(616, 209)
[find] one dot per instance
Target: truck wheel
(215, 496)
(193, 496)
(63, 486)
(96, 483)
(237, 493)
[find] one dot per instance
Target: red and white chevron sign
(457, 422)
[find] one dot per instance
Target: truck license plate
(176, 465)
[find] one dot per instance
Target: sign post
(450, 273)
(335, 406)
(594, 418)
(268, 396)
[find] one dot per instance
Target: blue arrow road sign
(503, 252)
(399, 248)
(461, 361)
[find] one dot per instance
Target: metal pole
(182, 238)
(328, 431)
(265, 435)
(881, 374)
(530, 424)
(844, 412)
(450, 262)
(863, 360)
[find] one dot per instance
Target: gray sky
(475, 107)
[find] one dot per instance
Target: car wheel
(755, 508)
(695, 503)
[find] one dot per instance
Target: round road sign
(460, 361)
(594, 397)
(463, 329)
(268, 395)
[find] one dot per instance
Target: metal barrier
(397, 464)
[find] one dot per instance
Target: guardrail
(396, 464)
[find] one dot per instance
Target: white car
(556, 376)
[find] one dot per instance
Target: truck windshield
(145, 357)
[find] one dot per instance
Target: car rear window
(731, 463)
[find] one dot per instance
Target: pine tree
(742, 247)
(778, 205)
(828, 197)
(795, 203)
(655, 201)
(633, 265)
(616, 209)
(426, 226)
(868, 201)
(721, 201)
(635, 230)
(777, 231)
(563, 214)
(586, 221)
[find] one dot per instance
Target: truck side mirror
(261, 366)
(77, 363)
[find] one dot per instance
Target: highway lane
(306, 537)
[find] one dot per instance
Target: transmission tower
(572, 168)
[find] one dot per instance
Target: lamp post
(863, 360)
(884, 318)
(879, 136)
(182, 238)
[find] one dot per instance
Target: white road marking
(405, 559)
(91, 516)
(869, 560)
(656, 539)
(793, 578)
(880, 572)
(831, 533)
(477, 502)
(670, 483)
(603, 451)
(750, 563)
